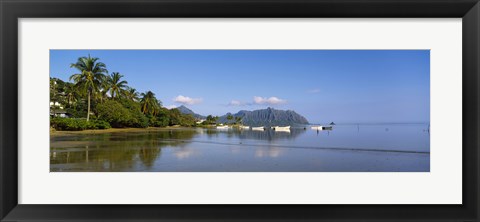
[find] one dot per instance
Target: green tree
(175, 117)
(116, 86)
(53, 95)
(178, 118)
(131, 94)
(238, 120)
(229, 117)
(149, 104)
(121, 114)
(71, 94)
(92, 74)
(101, 95)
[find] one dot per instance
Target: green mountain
(268, 117)
(183, 109)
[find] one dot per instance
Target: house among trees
(59, 113)
(56, 110)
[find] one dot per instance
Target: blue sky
(344, 86)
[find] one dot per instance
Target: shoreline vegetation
(93, 99)
(56, 133)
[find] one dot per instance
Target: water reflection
(112, 152)
(183, 153)
(346, 148)
(271, 152)
(266, 135)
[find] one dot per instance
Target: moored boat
(322, 127)
(281, 128)
(258, 128)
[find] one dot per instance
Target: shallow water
(346, 148)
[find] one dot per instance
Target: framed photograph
(225, 110)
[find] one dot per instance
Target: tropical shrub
(68, 124)
(71, 124)
(161, 119)
(140, 120)
(177, 118)
(99, 124)
(114, 113)
(120, 116)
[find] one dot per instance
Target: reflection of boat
(258, 128)
(281, 128)
(322, 127)
(222, 127)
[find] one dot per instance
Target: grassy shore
(117, 130)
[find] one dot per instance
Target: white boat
(258, 128)
(244, 127)
(281, 128)
(322, 127)
(222, 127)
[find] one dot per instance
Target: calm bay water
(346, 148)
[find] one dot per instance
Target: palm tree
(102, 91)
(71, 94)
(131, 94)
(116, 85)
(92, 74)
(149, 104)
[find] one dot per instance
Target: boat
(258, 128)
(222, 127)
(281, 128)
(244, 127)
(317, 127)
(322, 127)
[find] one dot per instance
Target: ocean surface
(345, 148)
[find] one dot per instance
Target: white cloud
(171, 107)
(187, 100)
(270, 101)
(236, 103)
(314, 91)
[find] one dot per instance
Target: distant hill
(268, 117)
(183, 109)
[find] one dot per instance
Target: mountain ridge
(259, 117)
(184, 110)
(267, 117)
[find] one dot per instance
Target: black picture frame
(11, 11)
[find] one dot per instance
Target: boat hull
(281, 128)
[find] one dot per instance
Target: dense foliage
(72, 124)
(96, 100)
(119, 116)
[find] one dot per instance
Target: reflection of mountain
(140, 151)
(268, 135)
(268, 117)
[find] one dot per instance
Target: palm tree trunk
(88, 110)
